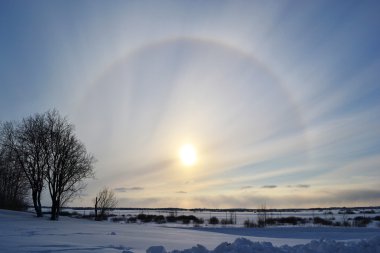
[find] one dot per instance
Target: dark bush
(321, 221)
(261, 223)
(159, 219)
(213, 220)
(249, 224)
(117, 219)
(145, 217)
(199, 221)
(271, 221)
(285, 220)
(132, 220)
(17, 203)
(185, 219)
(291, 220)
(171, 218)
(226, 221)
(361, 221)
(193, 218)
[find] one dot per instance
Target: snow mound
(156, 249)
(242, 245)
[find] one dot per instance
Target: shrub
(117, 219)
(292, 220)
(145, 217)
(361, 221)
(171, 218)
(199, 221)
(271, 221)
(226, 221)
(159, 219)
(321, 221)
(185, 219)
(261, 223)
(132, 219)
(213, 220)
(249, 224)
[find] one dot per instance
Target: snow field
(22, 232)
(242, 245)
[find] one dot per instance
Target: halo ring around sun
(101, 83)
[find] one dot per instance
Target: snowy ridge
(242, 245)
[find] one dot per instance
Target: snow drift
(23, 233)
(242, 245)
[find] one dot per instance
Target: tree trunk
(53, 209)
(58, 209)
(39, 206)
(96, 208)
(37, 203)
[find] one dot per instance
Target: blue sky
(281, 99)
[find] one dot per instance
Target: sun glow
(188, 155)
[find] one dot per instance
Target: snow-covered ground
(22, 232)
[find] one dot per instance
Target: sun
(188, 155)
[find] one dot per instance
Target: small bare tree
(105, 201)
(262, 216)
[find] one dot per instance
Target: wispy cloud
(328, 198)
(246, 187)
(125, 189)
(181, 192)
(269, 186)
(299, 186)
(303, 186)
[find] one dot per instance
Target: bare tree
(26, 142)
(68, 164)
(104, 202)
(31, 153)
(45, 148)
(262, 216)
(14, 186)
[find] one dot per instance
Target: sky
(280, 99)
